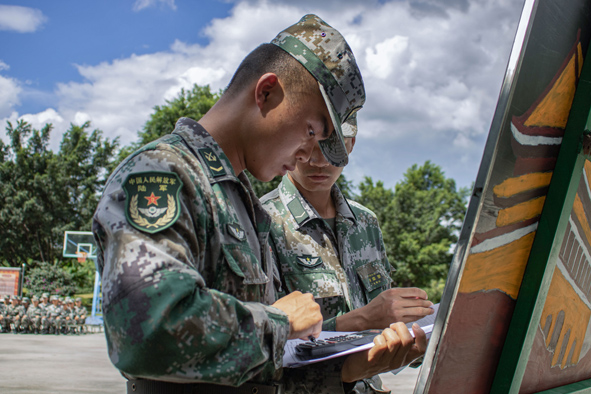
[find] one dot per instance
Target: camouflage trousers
(6, 321)
(325, 378)
(33, 323)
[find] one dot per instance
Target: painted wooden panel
(517, 169)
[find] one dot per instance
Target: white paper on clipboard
(291, 360)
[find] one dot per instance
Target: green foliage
(46, 193)
(192, 104)
(82, 274)
(49, 278)
(420, 222)
(262, 188)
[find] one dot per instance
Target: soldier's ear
(352, 144)
(268, 92)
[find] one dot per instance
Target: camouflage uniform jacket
(54, 311)
(80, 311)
(15, 311)
(186, 299)
(344, 271)
(35, 311)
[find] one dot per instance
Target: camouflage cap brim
(350, 126)
(323, 51)
(333, 148)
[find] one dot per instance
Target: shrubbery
(49, 278)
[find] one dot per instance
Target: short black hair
(269, 58)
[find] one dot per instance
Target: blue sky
(432, 68)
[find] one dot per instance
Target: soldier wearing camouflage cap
(35, 316)
(55, 316)
(189, 294)
(332, 247)
(12, 316)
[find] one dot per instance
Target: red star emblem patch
(152, 199)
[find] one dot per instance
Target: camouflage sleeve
(320, 378)
(330, 324)
(163, 321)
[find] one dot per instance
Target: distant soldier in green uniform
(332, 247)
(55, 316)
(35, 316)
(24, 321)
(44, 304)
(189, 285)
(12, 318)
(4, 326)
(80, 312)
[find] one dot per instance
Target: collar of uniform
(197, 138)
(342, 205)
(302, 211)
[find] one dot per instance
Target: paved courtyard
(35, 364)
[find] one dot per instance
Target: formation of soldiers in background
(48, 315)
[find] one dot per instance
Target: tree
(192, 104)
(46, 193)
(420, 222)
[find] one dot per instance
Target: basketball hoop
(81, 257)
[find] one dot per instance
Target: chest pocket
(374, 279)
(320, 283)
(244, 264)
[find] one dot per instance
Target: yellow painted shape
(554, 108)
(520, 212)
(501, 268)
(562, 297)
(579, 211)
(520, 184)
(588, 171)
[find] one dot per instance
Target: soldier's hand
(304, 314)
(394, 348)
(404, 304)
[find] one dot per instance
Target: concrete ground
(34, 364)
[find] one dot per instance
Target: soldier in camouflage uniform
(332, 247)
(3, 308)
(25, 321)
(13, 316)
(44, 304)
(35, 316)
(56, 316)
(79, 313)
(189, 286)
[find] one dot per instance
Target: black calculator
(328, 346)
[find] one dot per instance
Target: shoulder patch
(297, 210)
(213, 162)
(152, 200)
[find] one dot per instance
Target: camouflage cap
(327, 56)
(26, 299)
(78, 299)
(35, 298)
(45, 295)
(350, 126)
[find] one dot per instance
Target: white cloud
(382, 58)
(141, 4)
(9, 96)
(20, 19)
(432, 74)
